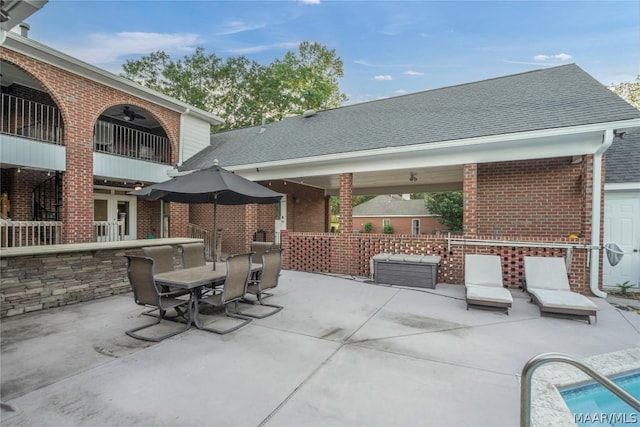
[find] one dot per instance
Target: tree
(243, 92)
(448, 206)
(629, 91)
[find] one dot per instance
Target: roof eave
(546, 143)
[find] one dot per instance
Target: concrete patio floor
(341, 353)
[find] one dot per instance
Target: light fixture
(618, 134)
(138, 186)
(413, 176)
(105, 180)
(19, 170)
(48, 173)
(4, 15)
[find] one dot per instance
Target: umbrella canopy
(211, 185)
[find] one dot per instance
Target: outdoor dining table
(194, 279)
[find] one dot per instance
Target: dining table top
(189, 278)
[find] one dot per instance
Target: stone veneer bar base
(41, 277)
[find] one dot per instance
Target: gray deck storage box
(406, 270)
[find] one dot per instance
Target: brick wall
(531, 198)
(81, 102)
(239, 223)
(313, 252)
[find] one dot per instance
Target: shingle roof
(543, 99)
(391, 205)
(623, 159)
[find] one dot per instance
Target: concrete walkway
(341, 353)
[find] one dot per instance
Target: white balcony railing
(45, 233)
(29, 233)
(108, 231)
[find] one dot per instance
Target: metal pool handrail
(541, 359)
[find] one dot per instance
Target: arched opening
(26, 108)
(131, 131)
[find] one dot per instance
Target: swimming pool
(593, 405)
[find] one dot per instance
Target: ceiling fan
(129, 115)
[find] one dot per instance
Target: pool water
(594, 405)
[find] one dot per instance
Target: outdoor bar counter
(40, 277)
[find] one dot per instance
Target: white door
(281, 217)
(622, 226)
(108, 209)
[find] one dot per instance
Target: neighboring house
(404, 215)
(76, 139)
(622, 208)
(526, 150)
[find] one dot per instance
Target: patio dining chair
(271, 267)
(193, 255)
(231, 292)
(147, 293)
(162, 257)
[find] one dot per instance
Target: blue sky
(388, 47)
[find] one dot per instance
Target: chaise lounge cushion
(479, 293)
(548, 284)
(483, 282)
(551, 299)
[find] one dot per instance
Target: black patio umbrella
(211, 185)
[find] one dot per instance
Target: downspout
(182, 132)
(607, 140)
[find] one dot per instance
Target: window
(385, 222)
(415, 226)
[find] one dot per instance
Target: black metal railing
(111, 138)
(29, 119)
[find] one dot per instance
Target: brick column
(341, 257)
(77, 184)
(470, 196)
(285, 244)
(250, 224)
(178, 220)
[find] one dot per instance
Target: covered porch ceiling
(395, 181)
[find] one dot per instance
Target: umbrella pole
(215, 233)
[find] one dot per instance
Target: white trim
(622, 186)
(548, 143)
(61, 60)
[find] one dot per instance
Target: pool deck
(342, 353)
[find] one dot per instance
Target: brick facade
(81, 101)
(306, 211)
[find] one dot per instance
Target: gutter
(607, 140)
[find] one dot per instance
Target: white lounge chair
(548, 285)
(483, 283)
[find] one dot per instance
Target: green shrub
(388, 229)
(368, 227)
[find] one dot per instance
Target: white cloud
(401, 91)
(413, 73)
(563, 57)
(235, 27)
(310, 1)
(262, 48)
(103, 48)
(560, 56)
(383, 77)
